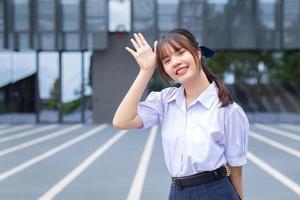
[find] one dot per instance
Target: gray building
(76, 47)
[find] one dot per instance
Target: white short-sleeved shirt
(199, 138)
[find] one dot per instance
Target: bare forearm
(125, 116)
(128, 107)
(236, 177)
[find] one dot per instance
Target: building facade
(76, 47)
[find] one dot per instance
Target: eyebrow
(165, 57)
(178, 49)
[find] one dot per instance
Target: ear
(199, 53)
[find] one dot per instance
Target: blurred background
(63, 61)
(64, 70)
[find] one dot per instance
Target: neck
(194, 87)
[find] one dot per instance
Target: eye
(181, 52)
(166, 61)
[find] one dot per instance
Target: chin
(184, 79)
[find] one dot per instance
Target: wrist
(147, 72)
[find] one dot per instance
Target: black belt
(197, 179)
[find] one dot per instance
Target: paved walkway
(87, 162)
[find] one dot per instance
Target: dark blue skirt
(221, 189)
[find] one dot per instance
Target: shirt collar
(208, 95)
(206, 98)
(178, 96)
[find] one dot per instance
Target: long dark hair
(186, 39)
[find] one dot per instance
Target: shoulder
(170, 92)
(235, 112)
(165, 94)
(236, 121)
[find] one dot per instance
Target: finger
(138, 40)
(136, 46)
(155, 46)
(143, 40)
(130, 51)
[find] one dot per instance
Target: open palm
(143, 54)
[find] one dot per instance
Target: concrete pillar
(113, 72)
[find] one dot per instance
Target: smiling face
(178, 58)
(179, 64)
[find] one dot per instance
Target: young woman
(204, 132)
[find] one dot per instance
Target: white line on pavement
(289, 126)
(138, 181)
(275, 144)
(274, 173)
(277, 131)
(39, 140)
(15, 128)
(50, 194)
(27, 133)
(51, 152)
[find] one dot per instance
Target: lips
(181, 70)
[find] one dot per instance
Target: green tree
(54, 95)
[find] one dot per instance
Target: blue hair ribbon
(207, 52)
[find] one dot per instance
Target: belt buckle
(228, 170)
(176, 183)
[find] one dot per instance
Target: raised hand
(143, 54)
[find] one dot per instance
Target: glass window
(144, 18)
(96, 15)
(167, 15)
(45, 15)
(17, 87)
(71, 15)
(21, 24)
(267, 13)
(6, 77)
(71, 86)
(48, 86)
(88, 92)
(243, 25)
(267, 31)
(71, 24)
(21, 15)
(1, 25)
(291, 18)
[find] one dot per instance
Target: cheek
(167, 69)
(195, 63)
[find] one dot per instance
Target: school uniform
(199, 138)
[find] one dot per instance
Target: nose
(175, 62)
